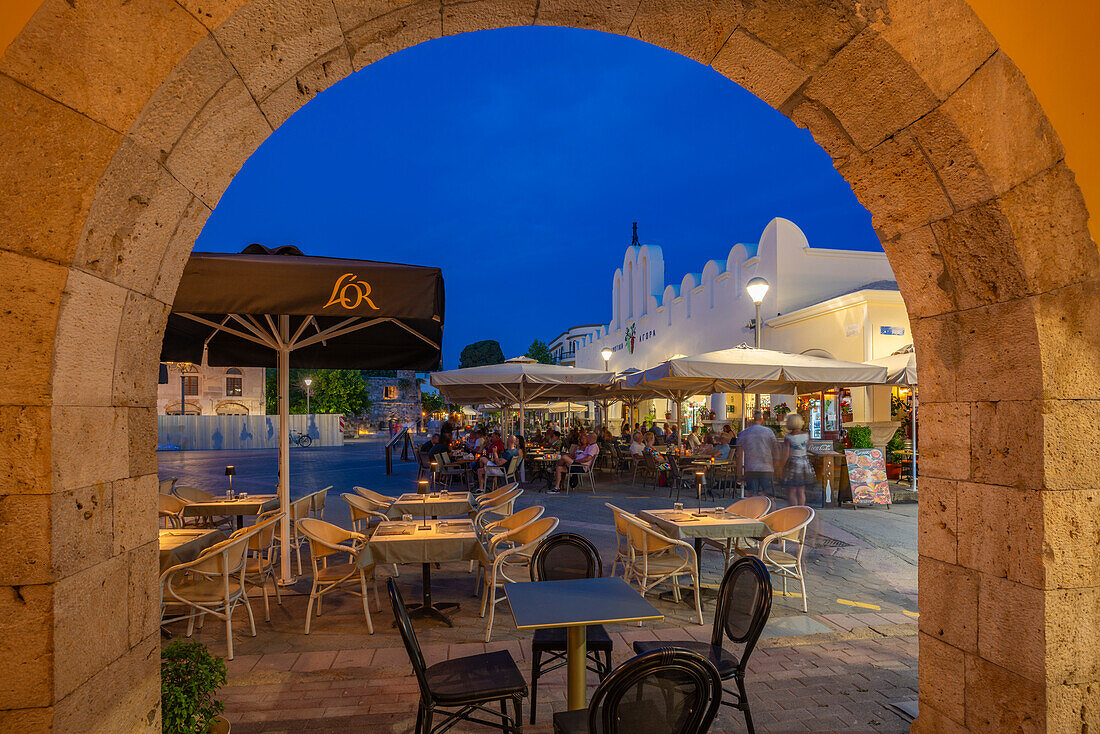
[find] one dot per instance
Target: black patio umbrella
(256, 308)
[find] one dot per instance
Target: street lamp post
(606, 354)
(309, 381)
(757, 288)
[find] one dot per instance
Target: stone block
(933, 721)
(89, 446)
(609, 16)
(407, 26)
(179, 249)
(180, 98)
(137, 352)
(1071, 543)
(871, 89)
(27, 719)
(937, 341)
(1000, 700)
(97, 58)
(959, 170)
(25, 539)
(81, 528)
(141, 430)
(1011, 618)
(1063, 437)
(944, 41)
(1073, 707)
(948, 603)
(942, 675)
(694, 28)
(1050, 226)
(808, 33)
(50, 177)
(212, 13)
(945, 440)
(131, 221)
(25, 449)
(135, 513)
(143, 586)
(937, 531)
(896, 183)
(1003, 439)
(1072, 634)
(1001, 531)
(1068, 321)
(26, 679)
(90, 624)
(269, 41)
(924, 282)
(980, 255)
(306, 84)
(825, 128)
(462, 17)
(87, 336)
(353, 13)
(1006, 127)
(222, 137)
(759, 69)
(987, 369)
(132, 703)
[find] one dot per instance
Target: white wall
(238, 432)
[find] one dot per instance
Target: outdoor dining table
(254, 504)
(430, 505)
(715, 523)
(184, 545)
(442, 541)
(575, 604)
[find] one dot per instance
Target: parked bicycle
(302, 439)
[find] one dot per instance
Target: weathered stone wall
(123, 121)
(403, 408)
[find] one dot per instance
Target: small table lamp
(230, 471)
(699, 482)
(422, 488)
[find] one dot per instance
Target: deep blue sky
(517, 159)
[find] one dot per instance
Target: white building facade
(210, 390)
(838, 303)
(563, 347)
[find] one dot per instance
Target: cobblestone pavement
(833, 669)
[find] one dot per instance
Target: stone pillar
(718, 405)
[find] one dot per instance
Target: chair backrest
(753, 507)
(192, 494)
(650, 461)
(317, 505)
(565, 556)
(642, 537)
(499, 492)
(744, 603)
(525, 539)
(519, 519)
(167, 484)
(377, 498)
(408, 636)
(170, 503)
(668, 691)
(502, 502)
(513, 465)
(359, 506)
(325, 538)
(224, 558)
(790, 521)
(262, 533)
(299, 508)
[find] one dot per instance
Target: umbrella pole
(284, 450)
(742, 408)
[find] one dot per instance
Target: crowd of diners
(762, 460)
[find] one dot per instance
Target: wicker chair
(325, 541)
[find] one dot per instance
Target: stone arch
(123, 121)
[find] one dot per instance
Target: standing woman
(798, 471)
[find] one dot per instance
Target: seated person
(579, 463)
(433, 446)
(494, 446)
(494, 464)
(637, 446)
(693, 439)
(723, 452)
(657, 431)
(650, 440)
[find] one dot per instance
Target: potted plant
(189, 679)
(668, 415)
(893, 459)
(781, 411)
(859, 437)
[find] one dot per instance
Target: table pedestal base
(426, 608)
(576, 666)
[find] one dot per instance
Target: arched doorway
(123, 122)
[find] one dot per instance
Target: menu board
(867, 475)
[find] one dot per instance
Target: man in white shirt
(637, 446)
(757, 451)
(580, 463)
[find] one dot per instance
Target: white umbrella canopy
(901, 368)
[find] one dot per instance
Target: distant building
(394, 395)
(210, 390)
(563, 347)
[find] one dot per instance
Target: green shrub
(860, 437)
(189, 678)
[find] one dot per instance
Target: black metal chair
(668, 691)
(558, 558)
(467, 684)
(744, 603)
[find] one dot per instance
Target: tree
(332, 391)
(481, 353)
(540, 352)
(432, 402)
